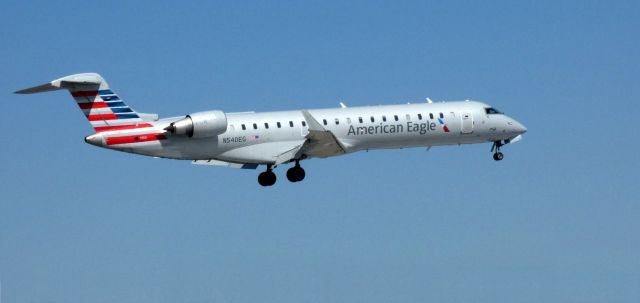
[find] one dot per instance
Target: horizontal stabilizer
(47, 87)
(89, 79)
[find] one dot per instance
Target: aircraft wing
(223, 163)
(288, 155)
(270, 152)
(320, 142)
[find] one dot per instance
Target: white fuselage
(250, 137)
(247, 140)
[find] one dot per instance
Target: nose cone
(515, 127)
(519, 128)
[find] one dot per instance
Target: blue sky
(556, 221)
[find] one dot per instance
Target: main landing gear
(497, 155)
(294, 174)
(267, 178)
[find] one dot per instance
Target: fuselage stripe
(121, 127)
(135, 138)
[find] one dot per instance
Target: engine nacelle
(200, 124)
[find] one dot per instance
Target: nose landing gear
(497, 155)
(296, 173)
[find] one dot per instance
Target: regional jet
(251, 139)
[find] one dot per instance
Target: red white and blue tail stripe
(103, 108)
(106, 111)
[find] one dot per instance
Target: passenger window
(324, 121)
(441, 116)
(360, 119)
(244, 127)
(337, 121)
(266, 125)
(384, 118)
(372, 119)
(419, 116)
(431, 116)
(291, 123)
(348, 120)
(255, 126)
(278, 124)
(408, 117)
(304, 123)
(395, 117)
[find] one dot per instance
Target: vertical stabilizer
(104, 109)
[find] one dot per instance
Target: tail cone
(95, 139)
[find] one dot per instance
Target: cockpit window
(492, 111)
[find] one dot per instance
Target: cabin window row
(266, 125)
(337, 121)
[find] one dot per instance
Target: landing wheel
(267, 178)
(496, 147)
(295, 174)
(498, 156)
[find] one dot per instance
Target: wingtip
(47, 87)
(21, 91)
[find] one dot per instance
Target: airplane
(250, 139)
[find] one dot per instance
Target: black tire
(267, 178)
(295, 174)
(498, 156)
(290, 175)
(299, 173)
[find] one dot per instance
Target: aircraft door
(467, 123)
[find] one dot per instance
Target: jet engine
(200, 124)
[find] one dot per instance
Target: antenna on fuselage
(429, 100)
(342, 105)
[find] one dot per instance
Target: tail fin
(102, 107)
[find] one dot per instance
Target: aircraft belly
(267, 152)
(176, 148)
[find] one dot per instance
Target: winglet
(312, 122)
(322, 142)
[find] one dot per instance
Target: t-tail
(104, 109)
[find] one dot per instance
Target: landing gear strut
(497, 155)
(296, 173)
(267, 178)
